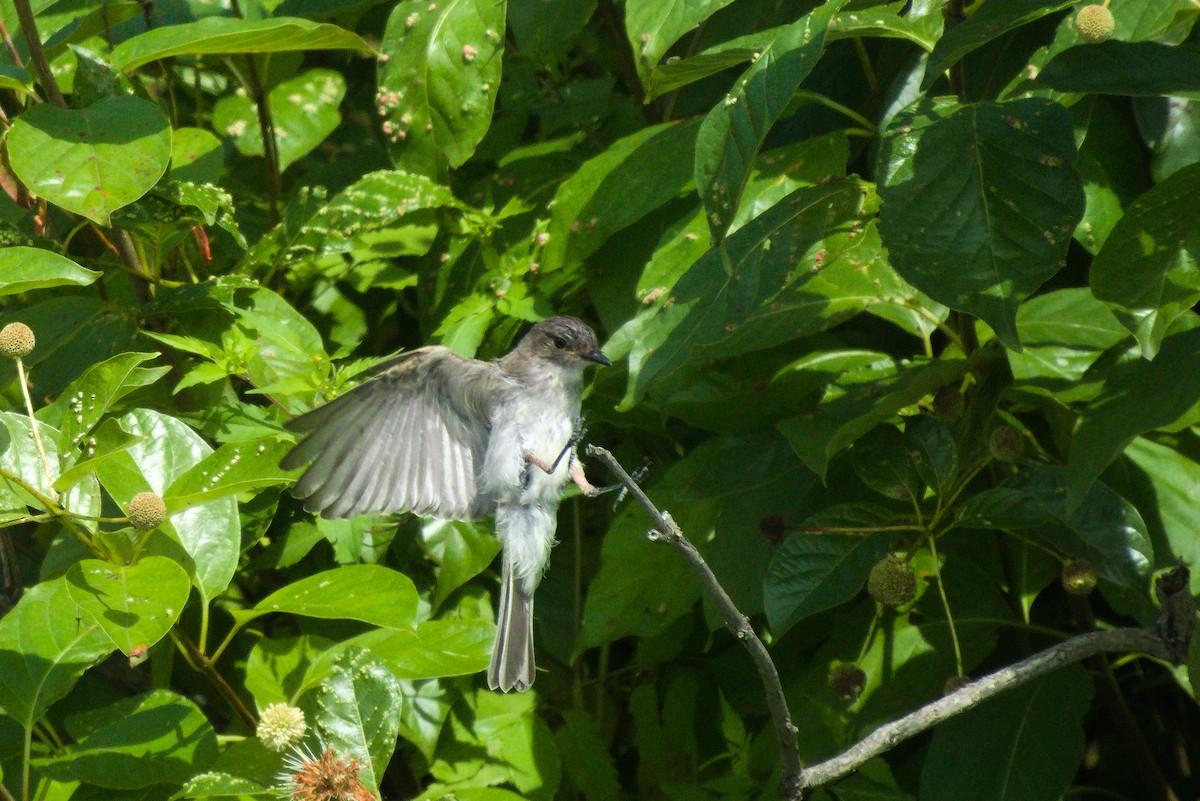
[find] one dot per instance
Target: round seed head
(146, 511)
(16, 340)
(1094, 23)
(892, 581)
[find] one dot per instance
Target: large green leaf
(1173, 478)
(434, 649)
(627, 181)
(1138, 396)
(811, 572)
(213, 35)
(1062, 334)
(653, 26)
(461, 550)
(19, 456)
(234, 468)
(95, 160)
(24, 269)
(86, 400)
(990, 20)
(979, 202)
(1124, 68)
(107, 440)
(137, 604)
(733, 132)
(1025, 745)
(1147, 271)
(370, 593)
(1105, 529)
(44, 649)
(358, 711)
(438, 80)
(304, 111)
(156, 738)
(806, 264)
(858, 400)
(209, 533)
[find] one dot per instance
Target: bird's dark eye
(560, 343)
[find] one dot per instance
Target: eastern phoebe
(442, 435)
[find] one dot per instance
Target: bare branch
(1168, 640)
(738, 624)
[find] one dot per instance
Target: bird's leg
(576, 437)
(577, 475)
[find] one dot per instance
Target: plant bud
(1006, 444)
(1078, 577)
(892, 581)
(146, 511)
(16, 340)
(1094, 23)
(772, 527)
(847, 681)
(948, 403)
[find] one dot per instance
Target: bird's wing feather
(408, 440)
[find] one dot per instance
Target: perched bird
(446, 436)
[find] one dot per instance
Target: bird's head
(564, 341)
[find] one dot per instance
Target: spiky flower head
(329, 777)
(1006, 443)
(1094, 23)
(280, 726)
(146, 511)
(16, 340)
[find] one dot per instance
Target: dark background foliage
(904, 278)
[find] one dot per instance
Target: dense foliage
(899, 293)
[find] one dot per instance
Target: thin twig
(217, 679)
(8, 44)
(270, 148)
(38, 56)
(971, 695)
(738, 624)
(66, 518)
(33, 423)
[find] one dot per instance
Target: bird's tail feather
(512, 651)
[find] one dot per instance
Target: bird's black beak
(598, 357)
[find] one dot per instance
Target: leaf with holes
(95, 160)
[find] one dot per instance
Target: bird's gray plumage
(441, 435)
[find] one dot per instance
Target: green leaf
(1124, 68)
(225, 35)
(106, 441)
(136, 605)
(979, 202)
(210, 533)
(934, 454)
(1173, 478)
(1105, 529)
(623, 184)
(806, 264)
(91, 161)
(859, 400)
(987, 22)
(653, 26)
(924, 31)
(882, 460)
(438, 83)
(1138, 396)
(586, 757)
(304, 111)
(358, 711)
(1147, 271)
(235, 468)
(1062, 334)
(434, 649)
(1023, 746)
(91, 396)
(44, 649)
(733, 132)
(461, 551)
(19, 456)
(642, 587)
(196, 156)
(371, 593)
(156, 738)
(811, 572)
(24, 269)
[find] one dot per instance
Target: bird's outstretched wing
(408, 440)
